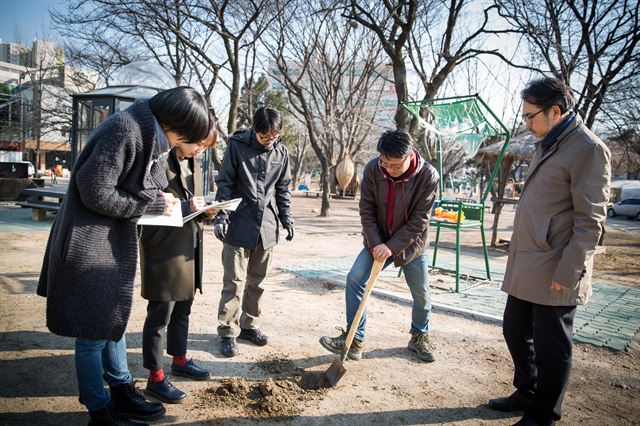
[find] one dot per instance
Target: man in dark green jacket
(255, 168)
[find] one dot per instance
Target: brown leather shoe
(515, 402)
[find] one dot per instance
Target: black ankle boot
(128, 402)
(107, 416)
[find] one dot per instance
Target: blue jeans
(95, 358)
(416, 274)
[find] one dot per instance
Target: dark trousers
(539, 338)
(174, 316)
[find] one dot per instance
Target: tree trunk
(234, 96)
(333, 181)
(38, 124)
(325, 210)
(295, 175)
(299, 160)
(494, 228)
(400, 79)
(36, 172)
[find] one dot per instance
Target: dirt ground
(620, 263)
(282, 382)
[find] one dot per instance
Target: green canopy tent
(463, 123)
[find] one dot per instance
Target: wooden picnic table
(41, 200)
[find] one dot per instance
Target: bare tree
(46, 86)
(591, 45)
(106, 34)
(629, 142)
(328, 69)
(298, 156)
(238, 24)
(391, 22)
(103, 35)
(623, 127)
(446, 36)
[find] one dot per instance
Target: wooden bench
(34, 198)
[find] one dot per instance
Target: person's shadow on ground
(418, 416)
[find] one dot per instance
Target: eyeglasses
(264, 138)
(527, 118)
(397, 166)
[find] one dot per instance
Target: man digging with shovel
(397, 192)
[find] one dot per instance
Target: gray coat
(170, 257)
(261, 177)
(559, 220)
(91, 256)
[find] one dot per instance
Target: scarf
(391, 191)
(548, 141)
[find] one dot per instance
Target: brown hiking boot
(336, 344)
(422, 346)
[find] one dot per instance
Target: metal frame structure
(481, 125)
(91, 108)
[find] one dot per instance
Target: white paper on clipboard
(222, 205)
(163, 220)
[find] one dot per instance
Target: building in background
(35, 102)
(14, 53)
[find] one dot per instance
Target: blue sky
(29, 17)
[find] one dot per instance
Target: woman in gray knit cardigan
(90, 262)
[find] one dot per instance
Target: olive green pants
(244, 271)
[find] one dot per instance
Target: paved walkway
(610, 319)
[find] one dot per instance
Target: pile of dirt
(268, 398)
(274, 364)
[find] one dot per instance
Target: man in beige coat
(559, 220)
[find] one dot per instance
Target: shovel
(336, 369)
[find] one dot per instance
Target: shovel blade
(335, 372)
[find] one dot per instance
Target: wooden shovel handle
(375, 270)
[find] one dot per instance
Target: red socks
(180, 361)
(156, 376)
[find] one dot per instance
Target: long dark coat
(170, 259)
(91, 257)
(261, 177)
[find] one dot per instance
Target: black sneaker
(253, 335)
(165, 391)
(228, 346)
(517, 401)
(190, 370)
(336, 344)
(422, 346)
